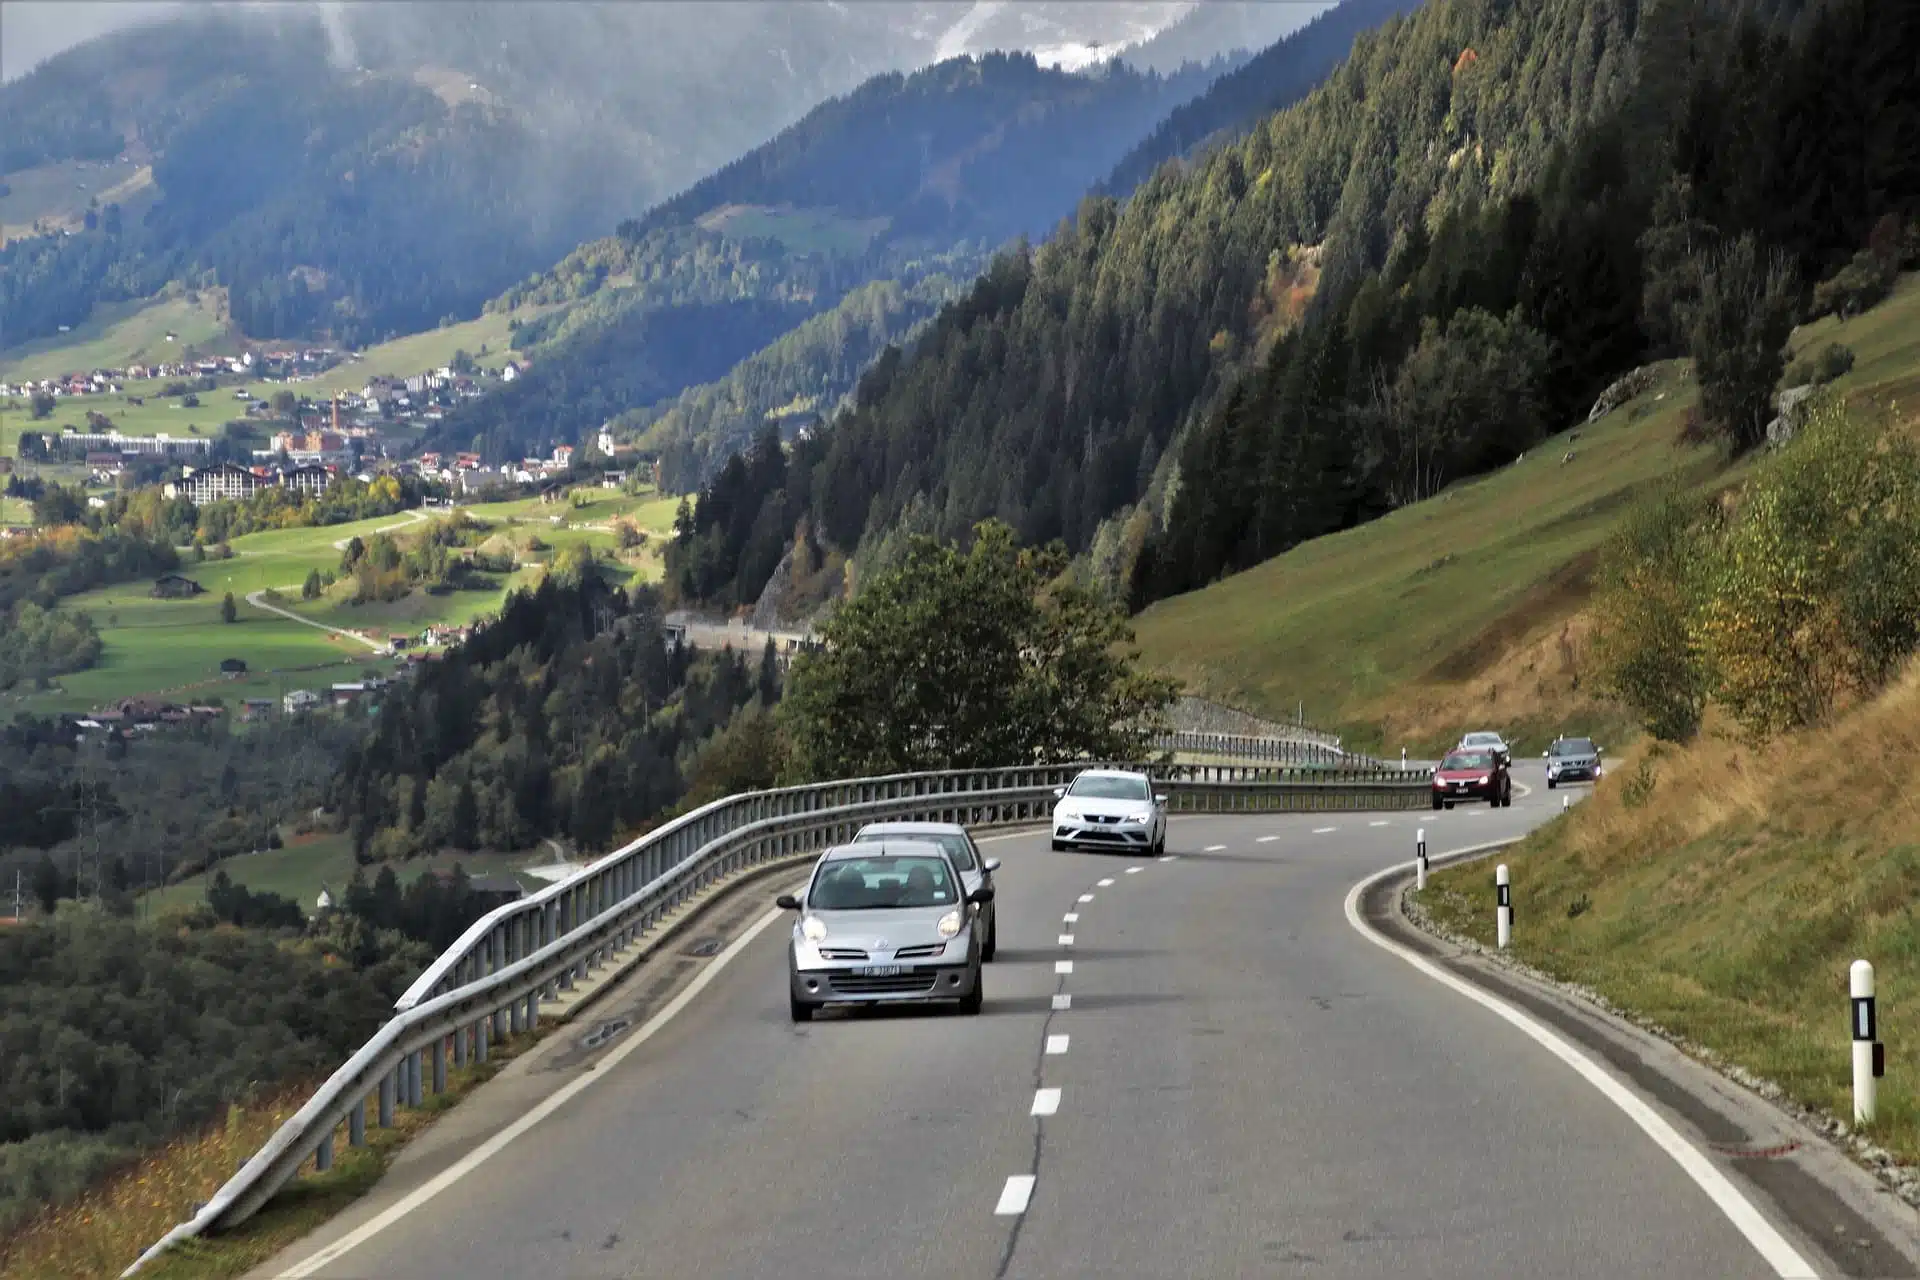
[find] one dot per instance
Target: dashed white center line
(1045, 1102)
(1015, 1195)
(1104, 883)
(1324, 831)
(1066, 939)
(1063, 1001)
(1381, 823)
(1266, 839)
(1086, 897)
(1056, 1045)
(1072, 917)
(1063, 966)
(1134, 871)
(1213, 848)
(1170, 857)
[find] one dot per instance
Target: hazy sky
(32, 31)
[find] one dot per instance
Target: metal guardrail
(1303, 749)
(491, 982)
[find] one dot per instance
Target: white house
(300, 700)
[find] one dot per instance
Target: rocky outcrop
(1790, 408)
(773, 597)
(1623, 389)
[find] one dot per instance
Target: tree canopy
(970, 659)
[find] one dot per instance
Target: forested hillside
(1405, 278)
(905, 178)
(1279, 75)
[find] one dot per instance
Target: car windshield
(1468, 760)
(877, 883)
(1108, 788)
(1573, 747)
(1480, 740)
(958, 847)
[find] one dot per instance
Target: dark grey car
(1572, 760)
(976, 872)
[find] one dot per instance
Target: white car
(1110, 809)
(1486, 740)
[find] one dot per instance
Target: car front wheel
(993, 939)
(1436, 802)
(798, 1011)
(971, 1005)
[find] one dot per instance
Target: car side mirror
(1059, 793)
(787, 902)
(991, 864)
(1159, 799)
(1544, 755)
(980, 897)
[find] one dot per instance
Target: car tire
(1436, 802)
(971, 1004)
(1058, 847)
(1551, 784)
(993, 941)
(1506, 800)
(1449, 806)
(798, 1011)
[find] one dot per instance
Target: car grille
(842, 953)
(853, 984)
(919, 952)
(1094, 817)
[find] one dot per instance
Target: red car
(1477, 774)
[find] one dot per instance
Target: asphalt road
(1245, 1087)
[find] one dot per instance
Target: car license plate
(878, 970)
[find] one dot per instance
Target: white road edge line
(1747, 1220)
(1045, 1102)
(1056, 1045)
(1015, 1195)
(552, 1103)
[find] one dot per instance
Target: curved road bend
(1246, 1087)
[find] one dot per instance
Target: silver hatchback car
(884, 922)
(976, 871)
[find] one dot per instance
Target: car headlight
(949, 924)
(1482, 779)
(813, 929)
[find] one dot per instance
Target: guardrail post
(357, 1124)
(1869, 1055)
(460, 1045)
(416, 1068)
(323, 1154)
(480, 1040)
(496, 961)
(1503, 905)
(388, 1087)
(440, 1059)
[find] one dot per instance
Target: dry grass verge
(106, 1228)
(1720, 892)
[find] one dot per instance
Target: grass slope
(1466, 606)
(1722, 892)
(123, 333)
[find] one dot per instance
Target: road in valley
(1231, 1081)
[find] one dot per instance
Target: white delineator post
(1420, 859)
(1403, 759)
(1503, 904)
(1566, 803)
(1869, 1060)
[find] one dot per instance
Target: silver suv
(1571, 760)
(884, 922)
(976, 872)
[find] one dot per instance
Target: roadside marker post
(1869, 1055)
(1420, 859)
(1503, 904)
(1566, 803)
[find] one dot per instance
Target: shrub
(1648, 601)
(1819, 368)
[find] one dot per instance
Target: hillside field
(123, 333)
(1465, 606)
